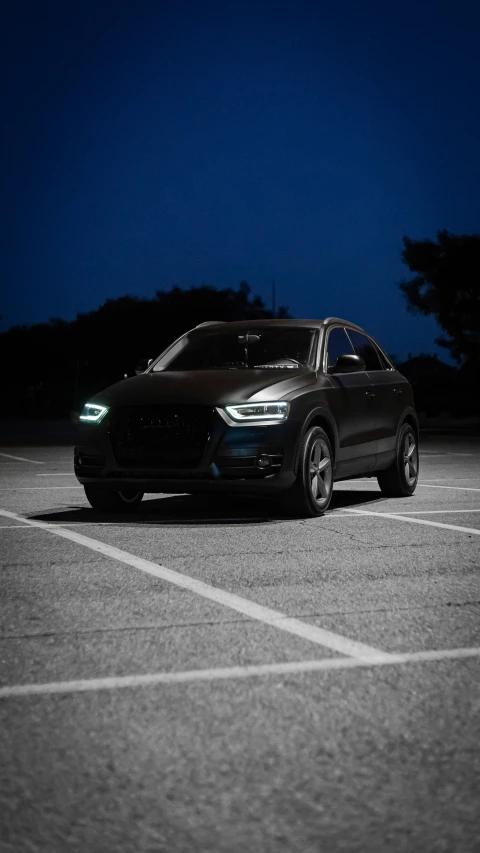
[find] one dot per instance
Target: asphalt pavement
(210, 675)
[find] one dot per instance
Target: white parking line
(22, 459)
(435, 453)
(470, 530)
(437, 511)
(36, 488)
(223, 673)
(425, 482)
(457, 488)
(275, 618)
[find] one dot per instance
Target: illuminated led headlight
(258, 411)
(93, 413)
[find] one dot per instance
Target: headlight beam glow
(275, 411)
(93, 413)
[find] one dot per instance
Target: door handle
(370, 394)
(398, 392)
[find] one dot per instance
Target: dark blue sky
(155, 144)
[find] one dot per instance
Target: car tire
(311, 494)
(400, 480)
(112, 500)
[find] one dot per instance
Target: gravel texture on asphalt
(364, 759)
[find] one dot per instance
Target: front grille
(160, 436)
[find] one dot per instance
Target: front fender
(410, 414)
(319, 416)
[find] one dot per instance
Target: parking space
(344, 745)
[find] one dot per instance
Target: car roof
(214, 325)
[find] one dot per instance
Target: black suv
(266, 407)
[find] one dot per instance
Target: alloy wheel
(410, 458)
(320, 472)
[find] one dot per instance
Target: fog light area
(262, 461)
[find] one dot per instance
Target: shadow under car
(202, 510)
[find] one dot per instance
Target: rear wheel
(312, 492)
(400, 480)
(112, 500)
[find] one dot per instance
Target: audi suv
(267, 407)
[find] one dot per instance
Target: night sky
(187, 143)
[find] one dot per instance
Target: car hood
(204, 387)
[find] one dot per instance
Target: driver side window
(338, 344)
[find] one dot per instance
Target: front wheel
(400, 480)
(312, 492)
(112, 500)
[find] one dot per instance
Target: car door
(351, 403)
(388, 389)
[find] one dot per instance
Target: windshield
(275, 348)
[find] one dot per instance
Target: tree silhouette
(447, 285)
(55, 366)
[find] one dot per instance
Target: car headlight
(93, 413)
(258, 412)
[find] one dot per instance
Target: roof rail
(209, 323)
(330, 320)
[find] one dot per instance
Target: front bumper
(231, 462)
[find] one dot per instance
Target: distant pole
(273, 297)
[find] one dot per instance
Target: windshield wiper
(227, 365)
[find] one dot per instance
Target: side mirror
(142, 365)
(348, 363)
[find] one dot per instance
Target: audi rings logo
(159, 422)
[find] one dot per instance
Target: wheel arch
(322, 418)
(410, 417)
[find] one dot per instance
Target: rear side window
(338, 344)
(365, 348)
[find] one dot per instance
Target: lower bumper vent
(249, 461)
